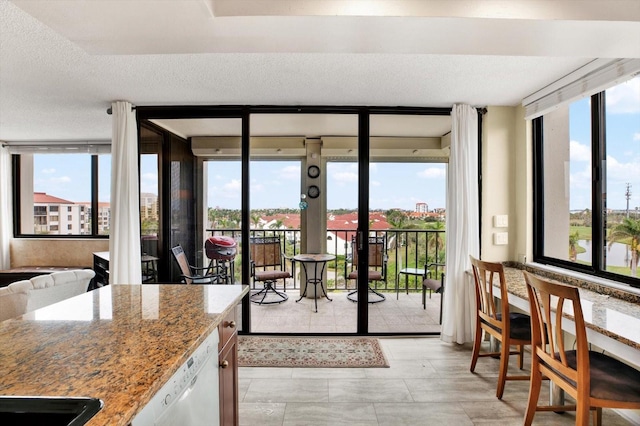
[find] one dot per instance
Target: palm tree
(435, 240)
(628, 232)
(277, 224)
(255, 220)
(573, 246)
(396, 219)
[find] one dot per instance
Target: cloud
(290, 172)
(345, 177)
(433, 173)
(579, 152)
(636, 136)
(623, 98)
(149, 176)
(48, 171)
(233, 185)
(256, 187)
(61, 179)
(375, 183)
(622, 172)
(229, 190)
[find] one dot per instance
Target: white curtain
(5, 207)
(124, 229)
(462, 226)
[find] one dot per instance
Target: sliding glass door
(338, 190)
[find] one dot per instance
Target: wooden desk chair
(192, 274)
(593, 379)
(377, 268)
(506, 327)
(267, 267)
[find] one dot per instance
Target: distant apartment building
(149, 207)
(422, 208)
(53, 215)
(104, 217)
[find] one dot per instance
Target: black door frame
(244, 112)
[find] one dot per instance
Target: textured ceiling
(63, 62)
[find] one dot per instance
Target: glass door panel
(222, 250)
(151, 142)
(289, 195)
(407, 188)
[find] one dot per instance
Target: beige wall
(55, 252)
(522, 242)
(498, 186)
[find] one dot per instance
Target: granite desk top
(119, 343)
(611, 316)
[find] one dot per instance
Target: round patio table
(319, 262)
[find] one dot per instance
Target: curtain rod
(110, 111)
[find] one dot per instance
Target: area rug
(257, 351)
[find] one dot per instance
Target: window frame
(598, 197)
(17, 206)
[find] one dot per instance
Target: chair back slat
(486, 276)
(377, 252)
(548, 338)
(181, 258)
(266, 252)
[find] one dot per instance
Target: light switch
(500, 238)
(501, 221)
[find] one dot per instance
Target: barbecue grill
(220, 248)
(221, 251)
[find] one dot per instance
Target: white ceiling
(63, 62)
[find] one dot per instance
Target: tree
(435, 238)
(277, 224)
(396, 218)
(255, 220)
(628, 232)
(573, 246)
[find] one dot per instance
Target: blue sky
(276, 184)
(392, 185)
(623, 147)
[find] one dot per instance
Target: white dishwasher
(192, 396)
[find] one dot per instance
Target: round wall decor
(313, 171)
(313, 191)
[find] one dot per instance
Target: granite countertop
(615, 317)
(119, 343)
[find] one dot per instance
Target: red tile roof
(44, 198)
(290, 221)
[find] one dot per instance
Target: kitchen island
(119, 343)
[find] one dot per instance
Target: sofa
(25, 296)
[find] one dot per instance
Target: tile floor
(428, 383)
(402, 314)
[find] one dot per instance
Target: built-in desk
(613, 324)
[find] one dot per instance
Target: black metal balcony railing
(405, 248)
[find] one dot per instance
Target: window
(50, 183)
(587, 184)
